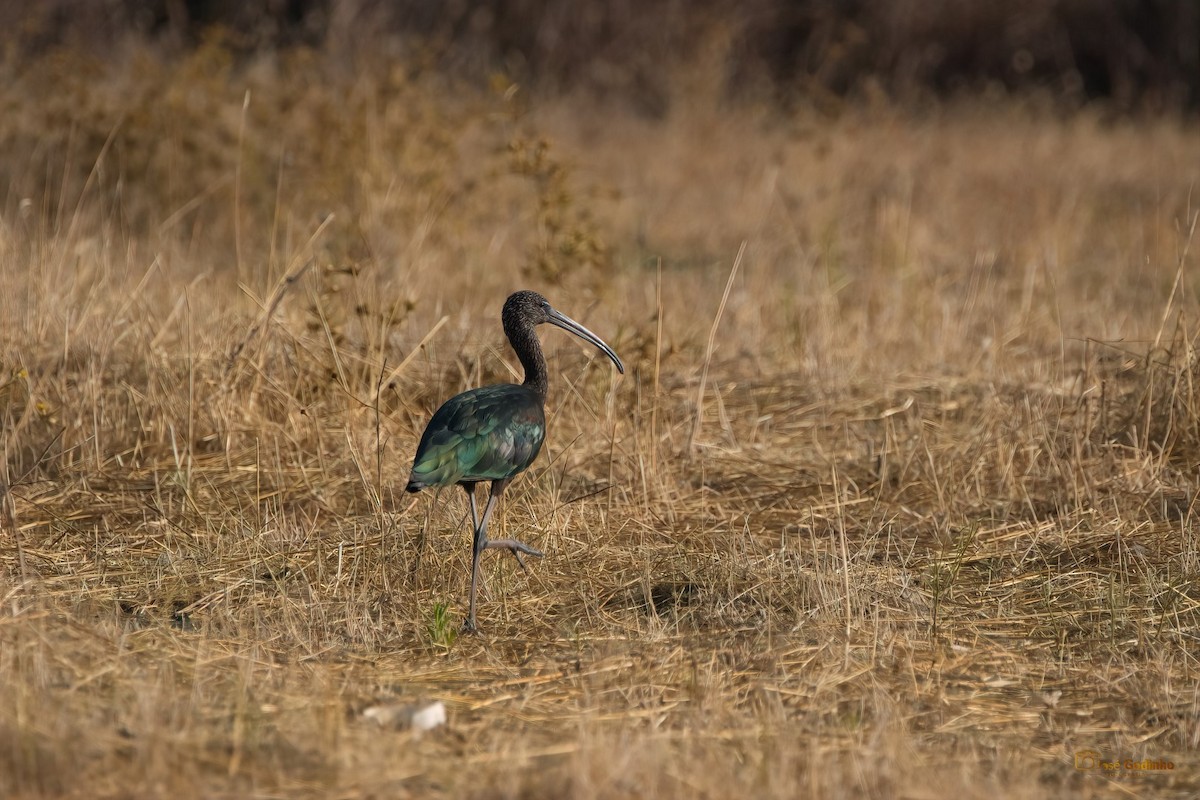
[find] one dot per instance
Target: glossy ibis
(495, 432)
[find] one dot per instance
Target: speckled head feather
(523, 311)
(524, 308)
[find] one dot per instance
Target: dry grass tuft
(929, 531)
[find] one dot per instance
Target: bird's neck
(525, 343)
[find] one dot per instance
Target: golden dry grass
(918, 520)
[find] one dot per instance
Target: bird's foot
(516, 548)
(469, 626)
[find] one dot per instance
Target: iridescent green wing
(484, 434)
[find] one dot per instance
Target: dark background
(1137, 55)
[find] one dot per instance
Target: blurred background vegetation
(910, 492)
(1137, 55)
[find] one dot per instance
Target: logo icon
(1087, 759)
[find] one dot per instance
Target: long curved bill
(571, 326)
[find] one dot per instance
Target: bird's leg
(469, 488)
(511, 545)
(482, 543)
(475, 525)
(478, 537)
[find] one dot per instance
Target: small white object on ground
(420, 717)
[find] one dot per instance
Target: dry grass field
(898, 498)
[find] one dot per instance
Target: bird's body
(487, 434)
(494, 433)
